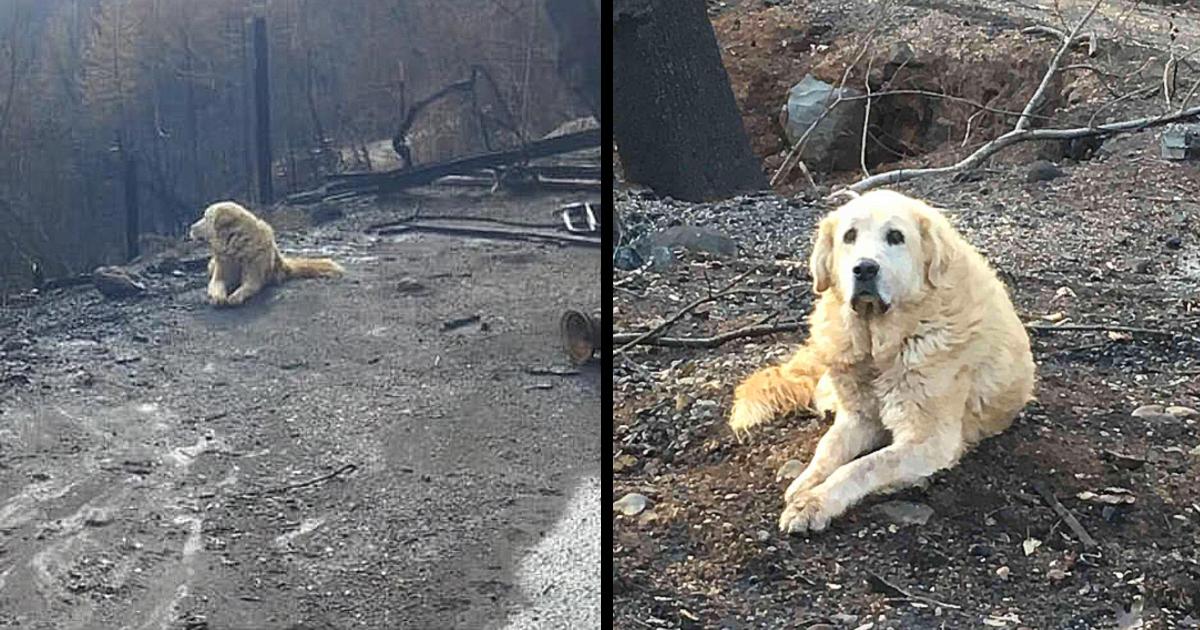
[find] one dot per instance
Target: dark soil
(327, 456)
(1115, 241)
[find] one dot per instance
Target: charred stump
(675, 121)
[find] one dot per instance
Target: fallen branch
(1105, 327)
(713, 341)
(1065, 515)
(882, 585)
(727, 290)
(492, 233)
(1017, 136)
(304, 484)
(647, 339)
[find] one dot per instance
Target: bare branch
(1021, 135)
(862, 156)
(1039, 95)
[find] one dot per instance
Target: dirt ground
(328, 456)
(1114, 241)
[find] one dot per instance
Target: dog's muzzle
(865, 296)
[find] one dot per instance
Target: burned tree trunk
(262, 104)
(132, 214)
(579, 59)
(675, 121)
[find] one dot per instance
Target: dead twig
(1065, 515)
(647, 339)
(1039, 94)
(679, 315)
(794, 154)
(882, 585)
(1104, 327)
(1148, 90)
(713, 341)
(304, 484)
(862, 156)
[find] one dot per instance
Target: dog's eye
(849, 236)
(895, 237)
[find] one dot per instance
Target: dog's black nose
(866, 269)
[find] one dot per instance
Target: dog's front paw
(746, 414)
(805, 482)
(804, 513)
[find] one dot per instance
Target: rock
(623, 462)
(97, 518)
(1043, 171)
(1181, 412)
(789, 470)
(626, 259)
(1003, 572)
(845, 619)
(981, 550)
(905, 512)
(704, 408)
(694, 239)
(410, 286)
(1110, 496)
(661, 259)
(631, 504)
(1174, 242)
(115, 282)
(901, 55)
(832, 144)
(762, 535)
(1195, 452)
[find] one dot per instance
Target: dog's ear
(821, 263)
(937, 245)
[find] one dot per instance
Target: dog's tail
(311, 268)
(780, 389)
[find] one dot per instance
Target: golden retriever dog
(913, 345)
(245, 257)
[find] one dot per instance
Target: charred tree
(132, 213)
(577, 23)
(675, 121)
(262, 104)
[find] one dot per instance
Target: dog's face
(216, 216)
(879, 251)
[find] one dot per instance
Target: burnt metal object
(580, 335)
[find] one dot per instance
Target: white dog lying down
(913, 343)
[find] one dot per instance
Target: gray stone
(904, 512)
(834, 142)
(115, 282)
(661, 259)
(694, 239)
(626, 259)
(631, 504)
(1043, 171)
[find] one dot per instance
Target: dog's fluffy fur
(245, 257)
(933, 357)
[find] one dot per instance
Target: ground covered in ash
(388, 450)
(1088, 249)
(1105, 250)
